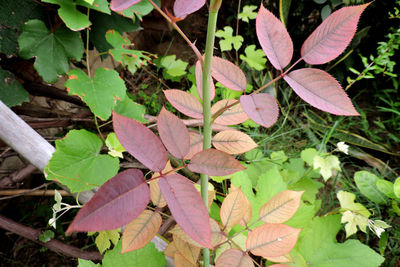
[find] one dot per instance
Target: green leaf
(146, 256)
(133, 59)
(174, 68)
(310, 186)
(104, 239)
(11, 91)
(308, 155)
(46, 236)
(284, 7)
(102, 23)
(114, 146)
(51, 50)
(396, 187)
(248, 13)
(78, 164)
(366, 182)
(100, 93)
(386, 187)
(352, 221)
(228, 40)
(74, 19)
(140, 9)
(327, 165)
(278, 157)
(255, 58)
(13, 15)
(317, 244)
(130, 109)
(85, 263)
(346, 200)
(58, 199)
(302, 217)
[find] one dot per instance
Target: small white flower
(377, 226)
(341, 146)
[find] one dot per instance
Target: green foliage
(11, 91)
(146, 256)
(105, 82)
(248, 13)
(105, 238)
(173, 69)
(228, 40)
(254, 57)
(36, 41)
(114, 146)
(85, 263)
(140, 10)
(78, 164)
(128, 108)
(46, 236)
(366, 183)
(326, 165)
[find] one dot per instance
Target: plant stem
(207, 131)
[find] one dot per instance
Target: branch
(54, 245)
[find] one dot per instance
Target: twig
(54, 245)
(17, 176)
(29, 192)
(23, 192)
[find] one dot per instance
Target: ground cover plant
(246, 210)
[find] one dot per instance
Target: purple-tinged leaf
(185, 103)
(274, 39)
(117, 202)
(196, 144)
(187, 207)
(321, 90)
(173, 134)
(140, 142)
(182, 8)
(231, 116)
(214, 162)
(228, 74)
(119, 5)
(332, 37)
(261, 108)
(199, 82)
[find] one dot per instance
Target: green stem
(207, 131)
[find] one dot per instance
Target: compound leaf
(228, 74)
(140, 231)
(214, 162)
(187, 207)
(100, 93)
(231, 116)
(332, 37)
(233, 208)
(261, 108)
(173, 134)
(281, 207)
(272, 240)
(182, 8)
(140, 142)
(233, 142)
(117, 202)
(274, 39)
(78, 164)
(36, 41)
(234, 257)
(185, 103)
(321, 90)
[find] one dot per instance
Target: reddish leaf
(117, 202)
(248, 214)
(181, 261)
(182, 8)
(281, 207)
(274, 39)
(185, 103)
(321, 90)
(187, 207)
(155, 192)
(233, 142)
(173, 134)
(140, 231)
(119, 5)
(228, 74)
(332, 37)
(261, 108)
(234, 258)
(196, 144)
(140, 142)
(231, 116)
(199, 82)
(233, 208)
(190, 252)
(217, 236)
(272, 240)
(214, 162)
